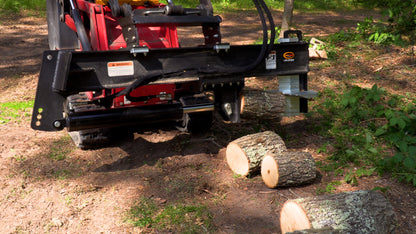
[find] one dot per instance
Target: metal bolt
(49, 57)
(227, 109)
(57, 124)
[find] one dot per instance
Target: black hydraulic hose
(271, 24)
(265, 48)
(82, 34)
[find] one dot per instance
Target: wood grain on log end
(237, 159)
(244, 155)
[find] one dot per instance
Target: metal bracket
(225, 46)
(139, 50)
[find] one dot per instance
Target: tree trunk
(352, 212)
(288, 169)
(287, 16)
(262, 103)
(244, 155)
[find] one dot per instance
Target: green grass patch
(60, 149)
(15, 111)
(17, 6)
(176, 218)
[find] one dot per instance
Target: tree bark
(262, 103)
(326, 230)
(244, 155)
(288, 169)
(352, 212)
(287, 16)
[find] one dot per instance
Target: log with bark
(244, 155)
(326, 230)
(262, 103)
(288, 169)
(352, 212)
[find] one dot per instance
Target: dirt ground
(90, 191)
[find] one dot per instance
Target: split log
(288, 169)
(352, 212)
(267, 104)
(316, 51)
(244, 155)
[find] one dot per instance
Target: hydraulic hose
(82, 34)
(266, 47)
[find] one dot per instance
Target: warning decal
(120, 68)
(271, 60)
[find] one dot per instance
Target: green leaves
(364, 124)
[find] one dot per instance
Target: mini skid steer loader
(116, 65)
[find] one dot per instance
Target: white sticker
(120, 68)
(271, 60)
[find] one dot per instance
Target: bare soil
(48, 185)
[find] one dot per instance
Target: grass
(15, 111)
(60, 149)
(18, 5)
(173, 217)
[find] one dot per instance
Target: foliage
(378, 32)
(178, 218)
(18, 5)
(401, 14)
(365, 124)
(401, 20)
(14, 111)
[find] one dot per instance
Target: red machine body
(106, 34)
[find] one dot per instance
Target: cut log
(352, 212)
(267, 104)
(244, 155)
(288, 169)
(326, 230)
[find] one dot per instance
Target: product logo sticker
(289, 57)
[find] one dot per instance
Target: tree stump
(244, 155)
(288, 169)
(262, 103)
(352, 212)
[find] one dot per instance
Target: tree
(287, 16)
